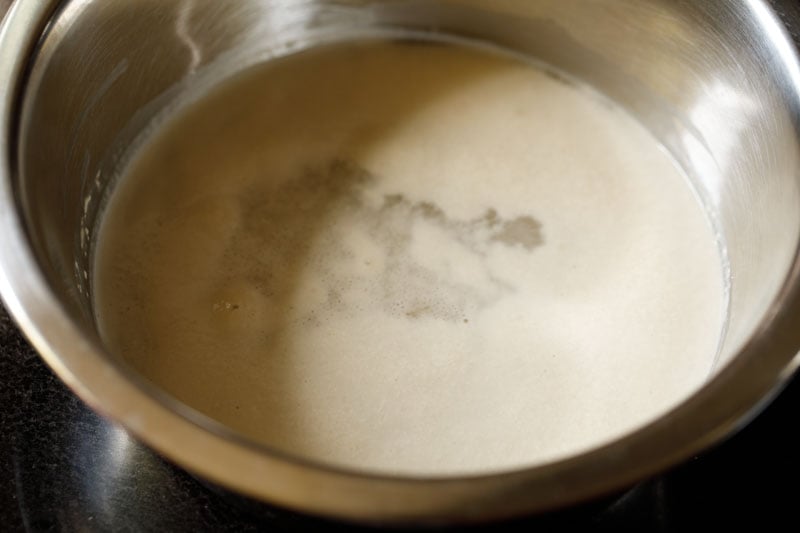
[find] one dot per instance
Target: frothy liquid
(409, 257)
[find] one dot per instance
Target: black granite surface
(65, 468)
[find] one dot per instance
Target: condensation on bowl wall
(715, 82)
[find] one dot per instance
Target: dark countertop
(65, 468)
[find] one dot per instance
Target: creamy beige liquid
(412, 258)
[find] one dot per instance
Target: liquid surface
(414, 258)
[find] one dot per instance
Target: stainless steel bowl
(717, 82)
